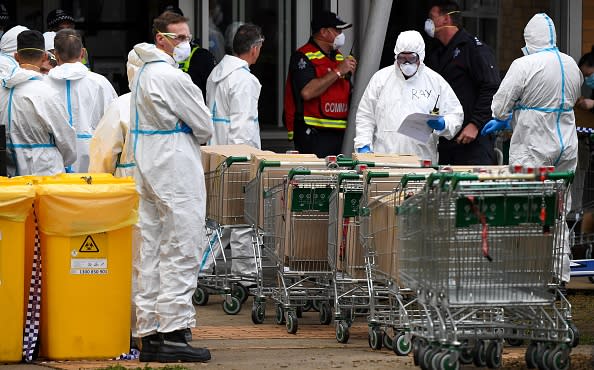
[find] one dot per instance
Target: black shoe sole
(148, 357)
(171, 357)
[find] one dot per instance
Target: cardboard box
(226, 186)
(274, 176)
(583, 118)
(306, 238)
(383, 230)
(350, 255)
(385, 185)
(297, 159)
(389, 159)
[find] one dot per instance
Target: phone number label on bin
(88, 266)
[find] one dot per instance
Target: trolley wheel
(258, 313)
(426, 355)
(342, 332)
(401, 344)
(531, 353)
(375, 338)
(447, 361)
(200, 297)
(465, 354)
(418, 345)
(514, 342)
(478, 354)
(316, 305)
(558, 358)
(279, 315)
(240, 292)
(231, 305)
(541, 358)
(325, 314)
(292, 322)
(308, 305)
(388, 341)
(574, 334)
(493, 356)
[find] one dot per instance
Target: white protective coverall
(86, 95)
(541, 89)
(389, 98)
(110, 149)
(170, 180)
(232, 94)
(8, 42)
(39, 139)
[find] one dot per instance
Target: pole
(375, 35)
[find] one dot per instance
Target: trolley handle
(298, 172)
(568, 176)
(347, 176)
(459, 177)
(411, 177)
(230, 160)
(264, 164)
(304, 172)
(376, 174)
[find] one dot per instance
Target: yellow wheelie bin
(85, 225)
(16, 204)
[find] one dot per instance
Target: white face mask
(430, 28)
(339, 41)
(408, 69)
(182, 51)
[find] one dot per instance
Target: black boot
(150, 347)
(175, 348)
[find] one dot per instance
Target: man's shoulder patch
(302, 63)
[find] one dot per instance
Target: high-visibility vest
(329, 110)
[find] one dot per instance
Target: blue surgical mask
(590, 81)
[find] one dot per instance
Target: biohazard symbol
(89, 245)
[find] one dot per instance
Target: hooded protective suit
(39, 139)
(170, 180)
(86, 95)
(110, 150)
(232, 94)
(8, 43)
(389, 98)
(541, 89)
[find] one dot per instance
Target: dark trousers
(479, 152)
(321, 142)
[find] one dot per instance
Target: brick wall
(513, 16)
(587, 26)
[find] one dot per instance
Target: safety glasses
(176, 37)
(407, 58)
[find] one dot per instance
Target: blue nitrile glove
(495, 125)
(186, 129)
(437, 124)
(364, 149)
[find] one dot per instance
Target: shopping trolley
(582, 231)
(483, 254)
(223, 273)
(265, 208)
(391, 305)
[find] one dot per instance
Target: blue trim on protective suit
(215, 118)
(561, 108)
(136, 130)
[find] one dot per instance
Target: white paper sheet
(415, 126)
